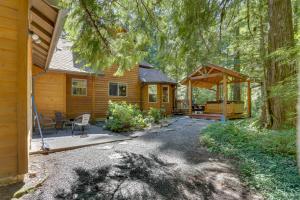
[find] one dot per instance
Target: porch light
(35, 38)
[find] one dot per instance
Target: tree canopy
(179, 35)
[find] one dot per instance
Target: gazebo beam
(218, 92)
(249, 98)
(206, 76)
(190, 96)
(225, 96)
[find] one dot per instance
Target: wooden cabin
(28, 32)
(217, 78)
(72, 89)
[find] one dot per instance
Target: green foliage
(180, 35)
(266, 159)
(155, 115)
(106, 33)
(201, 96)
(124, 117)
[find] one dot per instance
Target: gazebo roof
(206, 76)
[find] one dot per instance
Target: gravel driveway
(165, 164)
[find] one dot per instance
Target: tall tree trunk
(237, 63)
(237, 86)
(265, 112)
(298, 127)
(280, 35)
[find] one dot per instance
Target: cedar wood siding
(158, 104)
(50, 93)
(15, 72)
(96, 101)
(130, 78)
(78, 105)
(56, 91)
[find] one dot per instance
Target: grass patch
(266, 159)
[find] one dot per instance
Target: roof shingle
(65, 60)
(154, 76)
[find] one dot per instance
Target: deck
(212, 116)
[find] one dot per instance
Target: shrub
(155, 115)
(266, 159)
(124, 117)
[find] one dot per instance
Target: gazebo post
(248, 98)
(190, 96)
(217, 92)
(225, 96)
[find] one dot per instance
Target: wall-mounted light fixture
(35, 38)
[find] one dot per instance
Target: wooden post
(23, 96)
(249, 99)
(225, 96)
(218, 92)
(93, 97)
(190, 96)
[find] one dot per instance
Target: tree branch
(94, 25)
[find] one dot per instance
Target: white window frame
(86, 87)
(162, 93)
(149, 93)
(118, 83)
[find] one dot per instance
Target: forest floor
(168, 163)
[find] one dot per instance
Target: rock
(153, 131)
(32, 174)
(115, 156)
(122, 143)
(168, 129)
(105, 147)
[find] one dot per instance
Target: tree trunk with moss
(280, 36)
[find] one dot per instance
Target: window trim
(162, 93)
(79, 79)
(118, 83)
(149, 93)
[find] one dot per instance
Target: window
(117, 89)
(79, 87)
(152, 93)
(165, 94)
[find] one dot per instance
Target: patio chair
(81, 122)
(47, 123)
(59, 120)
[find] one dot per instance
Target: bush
(124, 117)
(155, 115)
(266, 159)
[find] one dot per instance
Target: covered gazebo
(210, 76)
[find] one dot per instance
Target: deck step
(207, 116)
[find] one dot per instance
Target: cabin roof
(146, 64)
(208, 75)
(46, 22)
(149, 75)
(64, 59)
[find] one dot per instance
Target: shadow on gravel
(137, 177)
(7, 192)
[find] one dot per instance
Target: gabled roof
(64, 59)
(149, 75)
(146, 64)
(46, 22)
(206, 76)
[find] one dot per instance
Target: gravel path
(168, 163)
